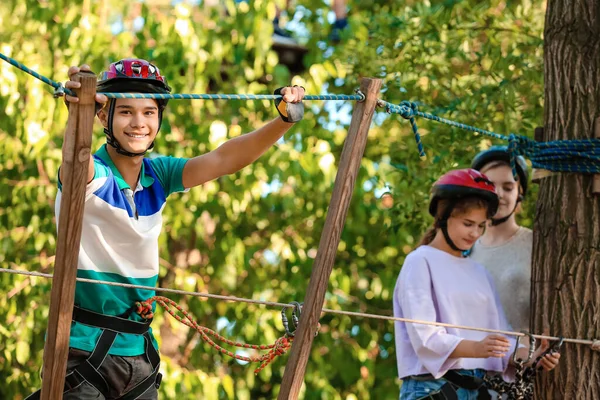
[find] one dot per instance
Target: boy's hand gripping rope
(280, 347)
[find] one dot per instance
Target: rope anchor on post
(296, 312)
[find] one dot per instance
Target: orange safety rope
(280, 347)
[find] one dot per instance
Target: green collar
(146, 180)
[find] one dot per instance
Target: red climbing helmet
(461, 183)
(132, 75)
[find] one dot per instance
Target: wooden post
(596, 182)
(345, 180)
(75, 162)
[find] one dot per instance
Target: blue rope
(579, 155)
(582, 155)
(356, 97)
(59, 90)
(408, 111)
(58, 87)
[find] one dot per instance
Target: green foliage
(479, 62)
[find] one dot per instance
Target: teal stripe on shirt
(110, 300)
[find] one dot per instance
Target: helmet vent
(136, 68)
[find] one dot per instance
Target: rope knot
(517, 145)
(408, 109)
(144, 309)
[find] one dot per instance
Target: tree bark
(566, 242)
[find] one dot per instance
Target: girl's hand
(493, 346)
(549, 361)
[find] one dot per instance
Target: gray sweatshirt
(510, 267)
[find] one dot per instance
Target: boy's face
(135, 123)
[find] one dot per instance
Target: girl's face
(466, 227)
(506, 188)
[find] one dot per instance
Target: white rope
(594, 343)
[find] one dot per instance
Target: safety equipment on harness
(500, 153)
(454, 382)
(88, 369)
(455, 186)
(522, 387)
(127, 76)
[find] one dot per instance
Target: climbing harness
(520, 389)
(88, 370)
(454, 382)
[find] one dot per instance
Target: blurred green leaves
(255, 234)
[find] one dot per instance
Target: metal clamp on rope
(59, 91)
(296, 313)
(361, 94)
(518, 361)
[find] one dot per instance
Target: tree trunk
(566, 242)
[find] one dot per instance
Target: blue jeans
(413, 389)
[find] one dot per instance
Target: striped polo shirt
(119, 243)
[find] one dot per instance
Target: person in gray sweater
(505, 248)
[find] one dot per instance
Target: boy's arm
(238, 152)
(100, 98)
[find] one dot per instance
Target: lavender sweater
(436, 286)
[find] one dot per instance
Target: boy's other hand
(290, 106)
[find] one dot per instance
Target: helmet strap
(500, 221)
(443, 225)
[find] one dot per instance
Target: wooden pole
(75, 162)
(596, 181)
(352, 153)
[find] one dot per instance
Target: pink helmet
(132, 74)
